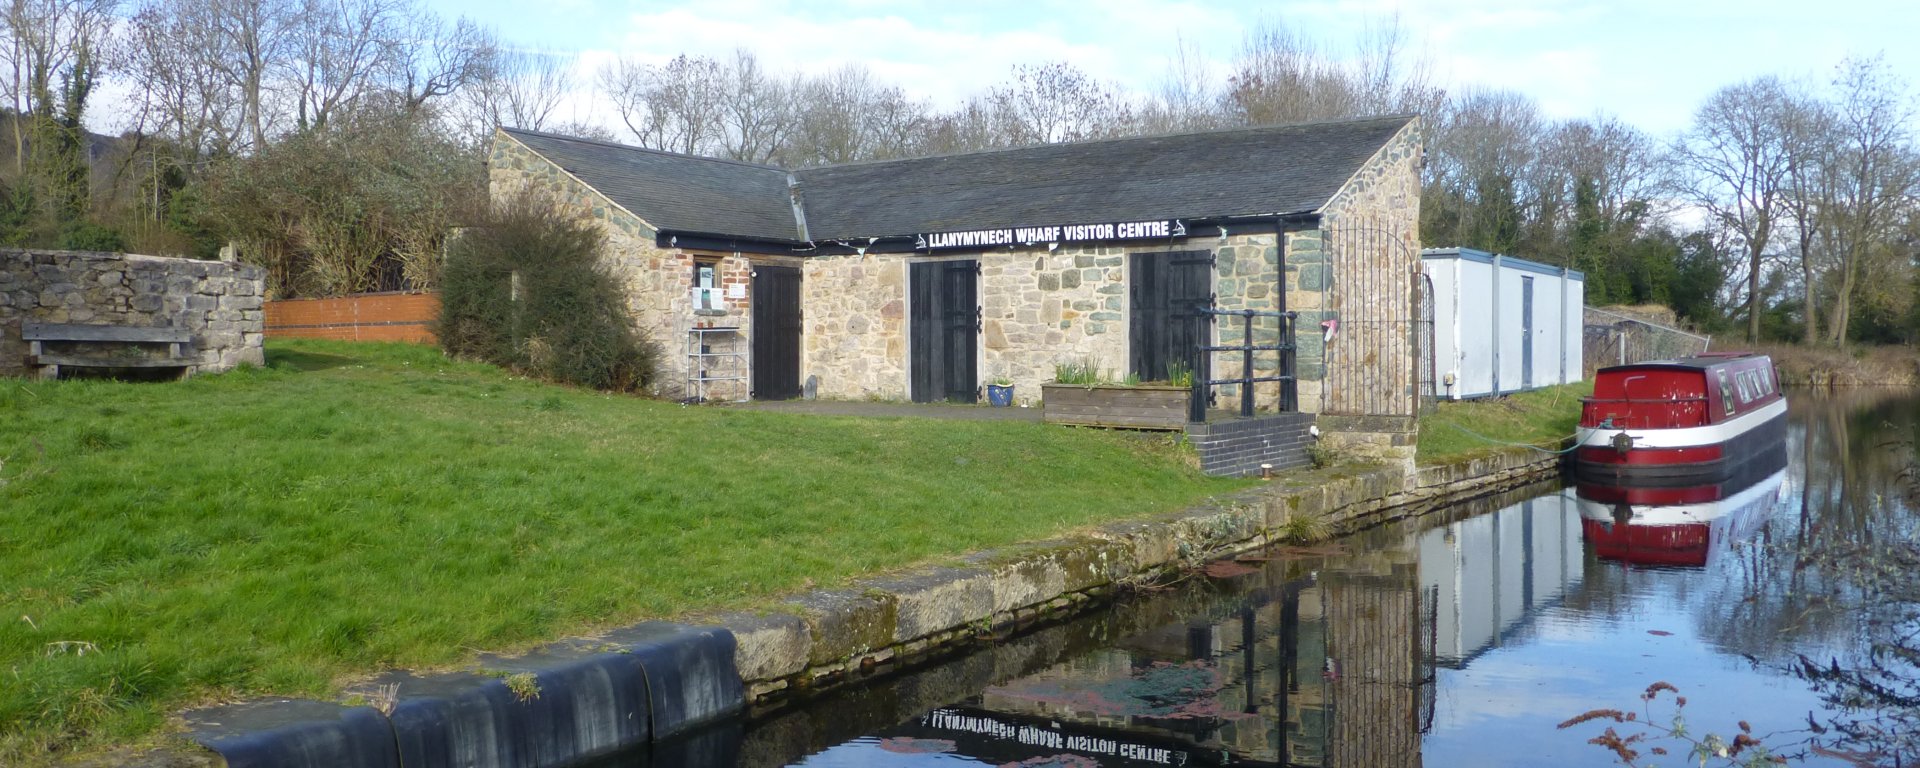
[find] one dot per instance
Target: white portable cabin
(1501, 324)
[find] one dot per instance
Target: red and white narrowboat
(1689, 420)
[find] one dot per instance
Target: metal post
(1197, 402)
(1289, 387)
(1246, 363)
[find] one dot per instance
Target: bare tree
(1284, 78)
(429, 59)
(184, 95)
(757, 111)
(1807, 127)
(1052, 103)
(675, 107)
(339, 47)
(520, 89)
(1389, 78)
(847, 115)
(1484, 160)
(254, 41)
(1876, 173)
(968, 128)
(44, 41)
(1736, 161)
(1188, 99)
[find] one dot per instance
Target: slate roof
(1248, 171)
(1280, 169)
(674, 192)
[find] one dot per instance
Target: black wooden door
(776, 333)
(944, 331)
(1166, 324)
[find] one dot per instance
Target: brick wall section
(1237, 447)
(366, 317)
(220, 302)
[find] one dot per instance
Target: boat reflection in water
(1689, 526)
(1462, 637)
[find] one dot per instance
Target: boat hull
(1689, 455)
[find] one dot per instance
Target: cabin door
(1169, 293)
(944, 331)
(776, 333)
(1526, 333)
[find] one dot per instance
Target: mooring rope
(1559, 452)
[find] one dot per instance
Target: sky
(1649, 62)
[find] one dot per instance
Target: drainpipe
(1496, 325)
(1289, 361)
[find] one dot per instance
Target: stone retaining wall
(220, 302)
(828, 637)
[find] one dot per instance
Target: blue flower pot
(999, 396)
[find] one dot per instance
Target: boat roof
(1696, 363)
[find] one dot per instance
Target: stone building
(926, 279)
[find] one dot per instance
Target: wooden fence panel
(365, 317)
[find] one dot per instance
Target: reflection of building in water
(1485, 574)
(1375, 645)
(1244, 680)
(1317, 671)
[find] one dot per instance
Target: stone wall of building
(1370, 235)
(1043, 308)
(658, 281)
(855, 314)
(220, 302)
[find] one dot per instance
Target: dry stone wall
(220, 302)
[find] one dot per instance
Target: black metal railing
(1283, 347)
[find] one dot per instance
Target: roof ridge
(648, 150)
(1403, 116)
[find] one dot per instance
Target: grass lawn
(1541, 417)
(354, 506)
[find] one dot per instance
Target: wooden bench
(70, 334)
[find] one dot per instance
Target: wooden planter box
(1146, 406)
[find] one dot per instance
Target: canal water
(1463, 638)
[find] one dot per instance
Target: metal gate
(1426, 367)
(1370, 285)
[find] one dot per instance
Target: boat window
(1726, 391)
(1766, 381)
(1746, 386)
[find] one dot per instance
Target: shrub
(527, 289)
(88, 236)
